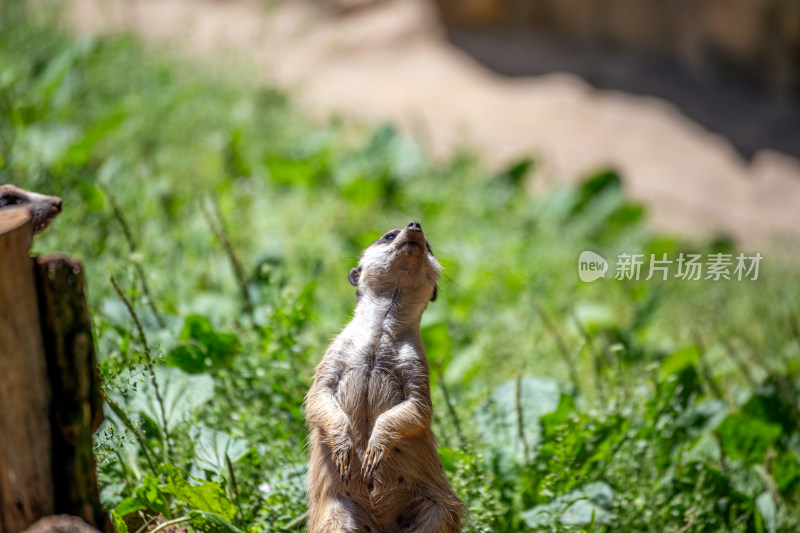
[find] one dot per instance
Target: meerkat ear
(435, 293)
(354, 275)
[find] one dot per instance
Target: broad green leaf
(201, 347)
(590, 504)
(786, 471)
(149, 494)
(747, 438)
(682, 387)
(583, 513)
(182, 395)
(212, 523)
(114, 311)
(702, 417)
(119, 524)
(768, 511)
(524, 400)
(204, 495)
(675, 362)
(129, 505)
(217, 306)
(451, 457)
(705, 450)
(213, 446)
(773, 402)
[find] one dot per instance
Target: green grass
(610, 406)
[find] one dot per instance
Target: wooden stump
(50, 398)
(26, 487)
(77, 404)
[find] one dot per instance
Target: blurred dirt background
(718, 155)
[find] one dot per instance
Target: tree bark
(26, 487)
(50, 396)
(77, 407)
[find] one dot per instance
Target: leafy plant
(228, 222)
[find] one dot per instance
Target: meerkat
(373, 465)
(43, 209)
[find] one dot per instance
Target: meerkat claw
(341, 458)
(371, 461)
(374, 466)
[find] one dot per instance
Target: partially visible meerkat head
(43, 208)
(402, 261)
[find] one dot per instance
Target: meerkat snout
(400, 258)
(43, 209)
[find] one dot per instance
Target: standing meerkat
(374, 467)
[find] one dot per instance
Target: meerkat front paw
(342, 455)
(376, 449)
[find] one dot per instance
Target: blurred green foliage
(230, 222)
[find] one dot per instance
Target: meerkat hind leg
(343, 515)
(429, 516)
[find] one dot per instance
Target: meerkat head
(400, 261)
(43, 208)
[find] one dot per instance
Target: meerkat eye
(390, 236)
(10, 199)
